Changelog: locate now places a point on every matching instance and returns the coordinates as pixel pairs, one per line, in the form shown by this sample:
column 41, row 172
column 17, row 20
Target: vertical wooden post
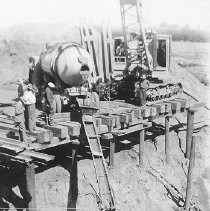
column 141, row 148
column 112, row 140
column 167, row 145
column 73, row 184
column 190, row 120
column 30, row 186
column 112, row 152
column 190, row 175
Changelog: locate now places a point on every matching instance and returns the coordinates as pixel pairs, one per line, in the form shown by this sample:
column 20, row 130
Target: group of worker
column 25, row 111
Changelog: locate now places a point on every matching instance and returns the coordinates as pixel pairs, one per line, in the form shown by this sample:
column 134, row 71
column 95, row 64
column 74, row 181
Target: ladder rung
column 100, row 154
column 92, row 136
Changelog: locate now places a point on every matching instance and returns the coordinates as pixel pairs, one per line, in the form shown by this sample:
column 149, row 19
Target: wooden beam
column 145, row 111
column 141, row 147
column 175, row 106
column 42, row 135
column 60, row 115
column 112, row 151
column 30, row 186
column 37, row 155
column 190, row 121
column 167, row 141
column 190, row 175
column 160, row 108
column 58, row 130
column 73, row 128
column 73, row 184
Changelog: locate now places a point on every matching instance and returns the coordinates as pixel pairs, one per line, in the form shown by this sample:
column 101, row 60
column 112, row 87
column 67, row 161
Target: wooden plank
column 73, row 128
column 37, row 155
column 58, row 130
column 167, row 107
column 12, row 147
column 98, row 122
column 153, row 111
column 108, row 120
column 30, row 186
column 16, row 158
column 126, row 131
column 56, row 121
column 190, row 175
column 141, row 147
column 175, row 106
column 187, row 103
column 51, row 145
column 145, row 111
column 116, row 121
column 130, row 116
column 137, row 113
column 124, row 118
column 42, row 135
column 60, row 115
column 189, row 134
column 111, row 152
column 160, row 108
column 12, row 141
column 167, row 141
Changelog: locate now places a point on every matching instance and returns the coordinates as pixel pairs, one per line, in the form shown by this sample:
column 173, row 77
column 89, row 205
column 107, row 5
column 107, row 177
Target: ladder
column 132, row 23
column 105, row 192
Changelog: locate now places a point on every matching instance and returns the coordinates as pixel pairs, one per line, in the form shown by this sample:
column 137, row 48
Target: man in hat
column 140, row 91
column 30, row 100
column 20, row 119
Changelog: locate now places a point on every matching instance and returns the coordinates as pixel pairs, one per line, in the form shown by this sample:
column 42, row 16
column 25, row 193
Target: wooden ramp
column 105, row 192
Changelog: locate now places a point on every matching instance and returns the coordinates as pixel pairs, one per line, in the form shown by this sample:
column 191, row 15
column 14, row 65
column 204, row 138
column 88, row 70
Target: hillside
column 19, row 42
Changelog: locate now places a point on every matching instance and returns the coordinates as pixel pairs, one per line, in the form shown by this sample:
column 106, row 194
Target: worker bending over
column 140, row 91
column 20, row 119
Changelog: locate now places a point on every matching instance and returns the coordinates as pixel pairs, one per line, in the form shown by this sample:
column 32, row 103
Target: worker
column 30, row 100
column 140, row 91
column 32, row 65
column 50, row 100
column 161, row 53
column 20, row 119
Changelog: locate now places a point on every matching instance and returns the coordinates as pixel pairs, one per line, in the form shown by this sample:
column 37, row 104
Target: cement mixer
column 68, row 66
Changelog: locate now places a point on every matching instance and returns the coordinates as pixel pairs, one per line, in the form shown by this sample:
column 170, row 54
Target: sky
column 195, row 13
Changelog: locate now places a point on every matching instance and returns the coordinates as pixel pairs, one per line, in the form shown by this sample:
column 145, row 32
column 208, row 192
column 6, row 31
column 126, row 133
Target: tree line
column 185, row 33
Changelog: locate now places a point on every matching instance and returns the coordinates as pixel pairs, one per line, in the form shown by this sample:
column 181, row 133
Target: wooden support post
column 30, row 186
column 141, row 147
column 73, row 184
column 190, row 175
column 167, row 144
column 112, row 152
column 190, row 120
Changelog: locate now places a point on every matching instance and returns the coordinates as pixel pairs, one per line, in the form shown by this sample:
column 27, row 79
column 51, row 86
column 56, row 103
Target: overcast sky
column 192, row 12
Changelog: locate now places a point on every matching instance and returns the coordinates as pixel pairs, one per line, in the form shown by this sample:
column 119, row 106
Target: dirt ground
column 134, row 188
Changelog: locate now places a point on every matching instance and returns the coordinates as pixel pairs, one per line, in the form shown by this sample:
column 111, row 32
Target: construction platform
column 112, row 121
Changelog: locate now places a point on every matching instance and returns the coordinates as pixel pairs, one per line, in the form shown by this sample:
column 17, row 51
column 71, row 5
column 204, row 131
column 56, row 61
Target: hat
column 30, row 87
column 52, row 85
column 143, row 76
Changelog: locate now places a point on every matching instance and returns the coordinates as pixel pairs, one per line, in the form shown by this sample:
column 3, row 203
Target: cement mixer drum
column 66, row 61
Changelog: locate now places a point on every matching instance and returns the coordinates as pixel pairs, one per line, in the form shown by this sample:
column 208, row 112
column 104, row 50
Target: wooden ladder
column 105, row 192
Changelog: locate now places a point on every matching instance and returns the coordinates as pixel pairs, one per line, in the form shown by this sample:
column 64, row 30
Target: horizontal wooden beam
column 73, row 128
column 60, row 115
column 58, row 130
